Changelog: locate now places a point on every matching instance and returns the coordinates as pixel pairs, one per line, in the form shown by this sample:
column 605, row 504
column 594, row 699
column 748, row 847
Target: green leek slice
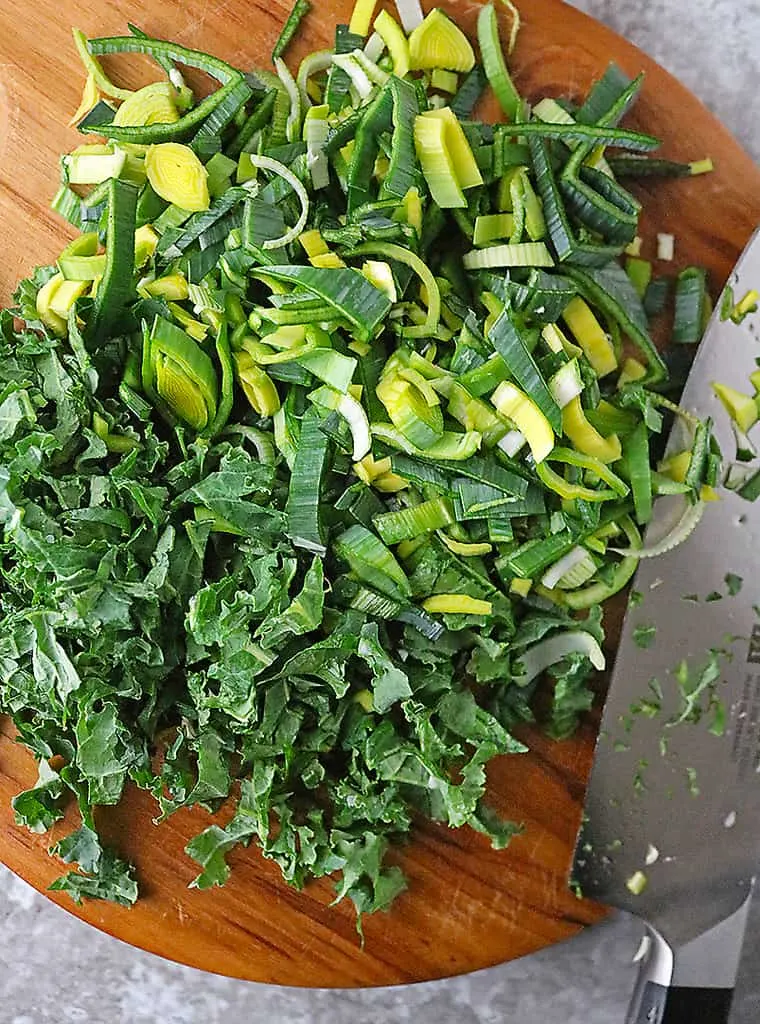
column 303, row 509
column 511, row 346
column 94, row 68
column 300, row 9
column 495, row 65
column 408, row 523
column 372, row 563
column 450, row 446
column 346, row 290
column 519, row 254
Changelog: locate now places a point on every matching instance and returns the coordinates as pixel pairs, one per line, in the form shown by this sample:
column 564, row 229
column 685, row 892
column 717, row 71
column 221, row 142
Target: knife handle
column 662, row 1005
column 656, row 1001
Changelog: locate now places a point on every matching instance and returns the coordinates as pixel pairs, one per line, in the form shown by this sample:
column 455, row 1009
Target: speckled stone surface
column 55, row 970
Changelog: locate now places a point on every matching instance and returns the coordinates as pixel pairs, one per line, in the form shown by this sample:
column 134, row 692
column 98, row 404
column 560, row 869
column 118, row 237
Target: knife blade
column 671, row 827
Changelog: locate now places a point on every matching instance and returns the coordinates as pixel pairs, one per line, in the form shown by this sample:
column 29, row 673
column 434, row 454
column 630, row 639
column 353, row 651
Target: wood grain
column 467, row 906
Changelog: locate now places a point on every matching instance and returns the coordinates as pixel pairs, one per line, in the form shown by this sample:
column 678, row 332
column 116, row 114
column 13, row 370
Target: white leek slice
column 561, row 568
column 293, row 124
column 512, row 443
column 539, row 657
column 566, row 384
column 677, row 534
column 266, row 163
column 410, row 13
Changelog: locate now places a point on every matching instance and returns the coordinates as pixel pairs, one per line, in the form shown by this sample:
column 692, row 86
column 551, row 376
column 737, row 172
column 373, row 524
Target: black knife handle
column 662, row 1005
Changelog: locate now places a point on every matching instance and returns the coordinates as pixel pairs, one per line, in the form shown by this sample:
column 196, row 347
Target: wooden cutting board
column 467, row 906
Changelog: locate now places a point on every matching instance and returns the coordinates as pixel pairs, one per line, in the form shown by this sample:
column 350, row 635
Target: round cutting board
column 467, row 906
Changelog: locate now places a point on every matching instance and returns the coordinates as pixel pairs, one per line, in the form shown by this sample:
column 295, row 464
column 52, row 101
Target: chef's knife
column 672, row 818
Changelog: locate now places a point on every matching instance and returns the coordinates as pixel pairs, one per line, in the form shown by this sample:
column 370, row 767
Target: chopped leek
column 266, row 163
column 741, row 408
column 518, row 254
column 395, row 39
column 408, row 523
column 177, row 175
column 410, row 13
column 690, row 299
column 585, row 437
column 154, row 104
column 300, row 9
column 439, row 43
column 456, row 604
column 178, row 375
column 465, row 166
column 95, row 70
column 437, row 163
column 495, row 65
column 516, row 406
column 548, row 652
column 589, row 334
column 361, row 18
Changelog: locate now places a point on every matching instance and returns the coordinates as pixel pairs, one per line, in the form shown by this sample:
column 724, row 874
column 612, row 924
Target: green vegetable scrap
column 316, row 425
column 644, row 636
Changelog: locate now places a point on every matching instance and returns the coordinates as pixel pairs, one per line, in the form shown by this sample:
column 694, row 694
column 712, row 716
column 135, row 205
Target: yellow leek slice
column 632, row 370
column 527, row 417
column 741, row 408
column 154, row 104
column 444, row 81
column 146, row 241
column 439, row 43
column 676, row 466
column 361, row 18
column 313, row 244
column 586, row 438
column 411, row 210
column 521, row 588
column 369, row 468
column 557, row 342
column 90, row 97
column 172, row 287
column 465, row 165
column 456, row 604
column 464, row 549
column 437, row 163
column 395, row 39
column 390, row 483
column 590, row 336
column 178, row 176
column 65, row 295
column 379, row 273
column 257, row 385
column 56, row 323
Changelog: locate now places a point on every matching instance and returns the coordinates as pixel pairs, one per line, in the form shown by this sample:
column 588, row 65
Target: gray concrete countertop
column 55, row 970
